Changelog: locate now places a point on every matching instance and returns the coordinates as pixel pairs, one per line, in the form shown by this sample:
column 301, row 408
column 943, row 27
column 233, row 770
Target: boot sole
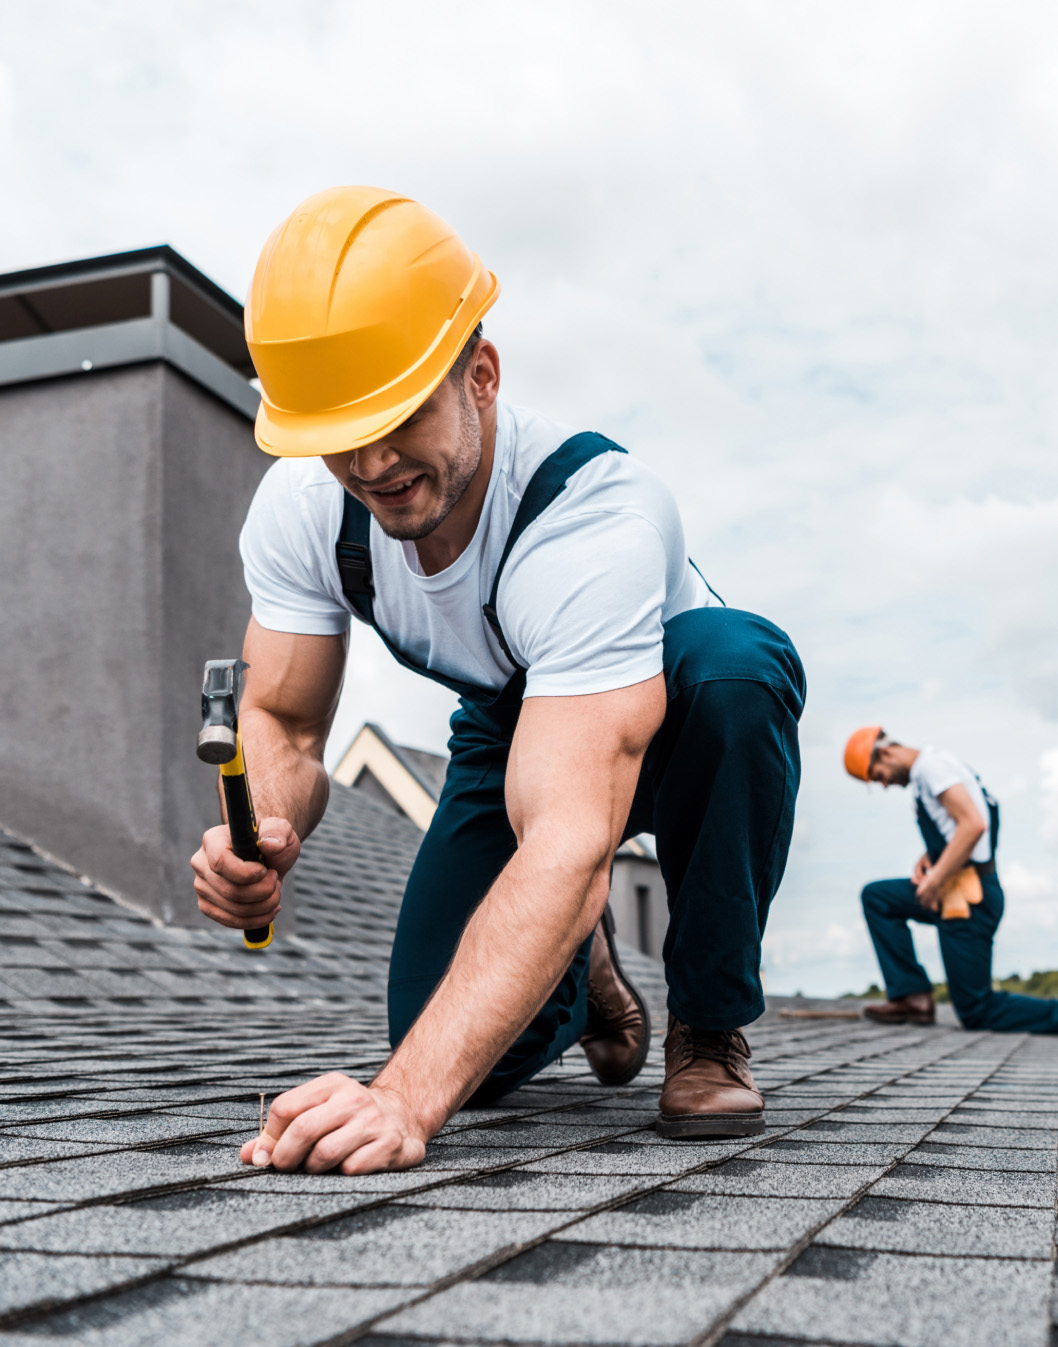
column 639, row 1061
column 904, row 1019
column 677, row 1125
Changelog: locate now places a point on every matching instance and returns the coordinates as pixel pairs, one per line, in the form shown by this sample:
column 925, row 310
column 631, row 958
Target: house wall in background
column 637, row 898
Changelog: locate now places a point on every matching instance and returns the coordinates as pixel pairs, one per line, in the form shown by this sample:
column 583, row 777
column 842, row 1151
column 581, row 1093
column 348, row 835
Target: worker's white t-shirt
column 581, row 601
column 934, row 771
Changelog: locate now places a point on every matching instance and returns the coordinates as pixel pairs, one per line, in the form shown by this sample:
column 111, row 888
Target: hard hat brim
column 338, row 430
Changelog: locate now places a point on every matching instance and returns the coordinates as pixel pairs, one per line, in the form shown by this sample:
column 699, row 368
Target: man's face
column 887, row 770
column 412, row 478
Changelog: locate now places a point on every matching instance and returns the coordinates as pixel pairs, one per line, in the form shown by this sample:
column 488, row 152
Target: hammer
column 220, row 743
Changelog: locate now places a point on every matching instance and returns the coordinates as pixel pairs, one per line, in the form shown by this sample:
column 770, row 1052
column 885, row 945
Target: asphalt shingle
column 567, row 1294
column 210, row 1314
column 856, row 1297
column 755, row 1178
column 931, row 1227
column 178, row 1223
column 394, row 1246
column 39, row 1280
column 934, row 1183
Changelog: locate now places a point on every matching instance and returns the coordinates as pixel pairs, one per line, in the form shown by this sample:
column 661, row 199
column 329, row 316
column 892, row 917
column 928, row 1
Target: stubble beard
column 458, row 473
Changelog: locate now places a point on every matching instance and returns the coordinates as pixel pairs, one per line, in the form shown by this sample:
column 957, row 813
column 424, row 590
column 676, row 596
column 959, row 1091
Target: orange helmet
column 858, row 751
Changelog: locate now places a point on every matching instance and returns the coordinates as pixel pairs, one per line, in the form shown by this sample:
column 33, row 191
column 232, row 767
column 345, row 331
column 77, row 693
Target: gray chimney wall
column 124, row 488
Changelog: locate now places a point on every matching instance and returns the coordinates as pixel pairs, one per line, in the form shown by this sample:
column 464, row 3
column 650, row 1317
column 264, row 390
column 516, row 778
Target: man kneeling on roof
column 954, row 887
column 603, row 688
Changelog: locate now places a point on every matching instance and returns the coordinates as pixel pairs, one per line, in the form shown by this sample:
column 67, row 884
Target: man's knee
column 975, row 1011
column 889, row 897
column 741, row 709
column 873, row 897
column 707, row 646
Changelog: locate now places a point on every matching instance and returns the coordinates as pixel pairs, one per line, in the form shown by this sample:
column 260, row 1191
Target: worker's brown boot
column 616, row 1039
column 709, row 1091
column 918, row 1008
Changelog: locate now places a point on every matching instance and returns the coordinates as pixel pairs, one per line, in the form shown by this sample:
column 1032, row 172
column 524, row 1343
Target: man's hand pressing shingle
column 334, row 1122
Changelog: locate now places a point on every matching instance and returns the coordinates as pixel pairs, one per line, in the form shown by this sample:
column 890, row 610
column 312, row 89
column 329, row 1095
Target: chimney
column 126, row 434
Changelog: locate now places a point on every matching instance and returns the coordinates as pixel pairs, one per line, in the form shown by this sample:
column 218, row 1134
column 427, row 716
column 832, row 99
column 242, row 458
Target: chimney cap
column 147, row 304
column 159, row 257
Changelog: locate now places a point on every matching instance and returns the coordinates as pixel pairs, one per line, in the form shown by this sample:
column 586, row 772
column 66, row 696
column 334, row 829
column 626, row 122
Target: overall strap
column 353, row 554
column 992, row 805
column 548, row 482
column 931, row 835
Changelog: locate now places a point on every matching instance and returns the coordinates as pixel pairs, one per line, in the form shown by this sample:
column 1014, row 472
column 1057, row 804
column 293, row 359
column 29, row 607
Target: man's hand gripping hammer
column 220, row 743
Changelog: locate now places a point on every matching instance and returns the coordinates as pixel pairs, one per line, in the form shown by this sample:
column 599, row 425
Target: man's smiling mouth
column 395, row 493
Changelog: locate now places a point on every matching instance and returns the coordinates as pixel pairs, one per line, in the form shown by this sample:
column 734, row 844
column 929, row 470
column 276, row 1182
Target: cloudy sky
column 801, row 257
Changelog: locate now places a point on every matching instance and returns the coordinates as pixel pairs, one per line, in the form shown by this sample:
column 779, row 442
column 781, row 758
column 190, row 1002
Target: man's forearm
column 287, row 778
column 957, row 853
column 514, row 951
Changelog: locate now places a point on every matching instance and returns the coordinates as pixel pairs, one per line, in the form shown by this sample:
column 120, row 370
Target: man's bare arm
column 290, row 696
column 571, row 776
column 969, row 828
column 292, row 690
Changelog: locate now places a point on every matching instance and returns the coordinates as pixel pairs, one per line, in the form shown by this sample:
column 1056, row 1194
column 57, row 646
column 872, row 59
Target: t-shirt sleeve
column 285, row 549
column 585, row 600
column 938, row 773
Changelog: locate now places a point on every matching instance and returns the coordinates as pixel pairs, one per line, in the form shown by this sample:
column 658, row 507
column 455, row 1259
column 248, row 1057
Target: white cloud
column 789, row 949
column 1034, row 893
column 1049, row 793
column 1028, row 936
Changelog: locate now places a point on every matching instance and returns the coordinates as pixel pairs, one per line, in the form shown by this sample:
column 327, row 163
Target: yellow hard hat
column 360, row 304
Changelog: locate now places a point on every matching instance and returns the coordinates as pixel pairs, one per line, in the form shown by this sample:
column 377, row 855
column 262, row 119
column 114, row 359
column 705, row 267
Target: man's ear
column 483, row 375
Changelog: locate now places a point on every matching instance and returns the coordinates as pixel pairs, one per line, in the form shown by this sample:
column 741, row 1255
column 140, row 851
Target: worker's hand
column 920, row 870
column 244, row 894
column 927, row 891
column 334, row 1122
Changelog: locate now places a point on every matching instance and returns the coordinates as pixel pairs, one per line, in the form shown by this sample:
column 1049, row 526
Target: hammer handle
column 242, row 827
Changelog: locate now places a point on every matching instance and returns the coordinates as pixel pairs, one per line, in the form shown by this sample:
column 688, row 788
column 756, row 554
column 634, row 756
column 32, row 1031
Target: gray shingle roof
column 903, row 1194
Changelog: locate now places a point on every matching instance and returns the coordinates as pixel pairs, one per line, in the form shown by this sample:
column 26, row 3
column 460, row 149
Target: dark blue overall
column 965, row 943
column 717, row 788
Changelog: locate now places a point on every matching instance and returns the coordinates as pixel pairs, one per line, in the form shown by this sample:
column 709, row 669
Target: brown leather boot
column 616, row 1039
column 918, row 1008
column 709, row 1091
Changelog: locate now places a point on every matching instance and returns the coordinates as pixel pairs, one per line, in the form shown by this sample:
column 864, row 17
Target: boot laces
column 604, row 1019
column 597, row 1000
column 726, row 1046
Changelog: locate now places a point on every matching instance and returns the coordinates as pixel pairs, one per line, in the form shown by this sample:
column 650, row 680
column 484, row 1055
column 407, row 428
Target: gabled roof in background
column 411, row 780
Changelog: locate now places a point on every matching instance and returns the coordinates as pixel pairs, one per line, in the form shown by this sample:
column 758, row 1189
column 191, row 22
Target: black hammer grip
column 242, row 826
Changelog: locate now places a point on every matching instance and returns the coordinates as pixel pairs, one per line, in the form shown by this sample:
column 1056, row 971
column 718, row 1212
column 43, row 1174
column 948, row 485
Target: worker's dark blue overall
column 717, row 789
column 965, row 943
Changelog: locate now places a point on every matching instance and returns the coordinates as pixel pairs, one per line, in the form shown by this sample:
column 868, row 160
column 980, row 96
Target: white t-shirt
column 934, row 771
column 581, row 601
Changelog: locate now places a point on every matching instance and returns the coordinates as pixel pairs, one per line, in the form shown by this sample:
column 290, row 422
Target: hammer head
column 221, row 690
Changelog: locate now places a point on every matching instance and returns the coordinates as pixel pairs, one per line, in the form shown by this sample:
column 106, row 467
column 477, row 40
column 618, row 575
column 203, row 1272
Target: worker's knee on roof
column 873, row 897
column 973, row 1014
